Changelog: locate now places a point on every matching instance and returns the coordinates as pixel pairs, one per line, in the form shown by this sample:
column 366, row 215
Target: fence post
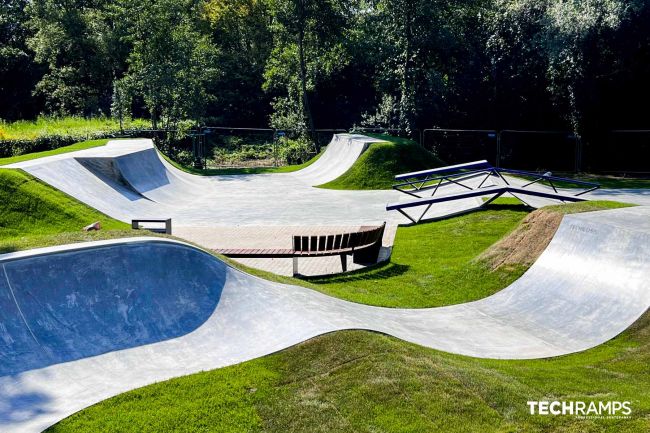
column 498, row 158
column 578, row 167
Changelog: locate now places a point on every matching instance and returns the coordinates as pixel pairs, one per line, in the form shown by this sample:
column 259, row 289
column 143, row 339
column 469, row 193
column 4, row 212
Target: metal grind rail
column 416, row 184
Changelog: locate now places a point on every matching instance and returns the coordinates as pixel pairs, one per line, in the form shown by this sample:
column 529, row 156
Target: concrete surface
column 85, row 322
column 280, row 237
column 128, row 179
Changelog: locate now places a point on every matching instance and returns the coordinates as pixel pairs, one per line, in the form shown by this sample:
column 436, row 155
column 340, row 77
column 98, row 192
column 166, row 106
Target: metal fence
column 524, row 149
column 622, row 151
column 615, row 152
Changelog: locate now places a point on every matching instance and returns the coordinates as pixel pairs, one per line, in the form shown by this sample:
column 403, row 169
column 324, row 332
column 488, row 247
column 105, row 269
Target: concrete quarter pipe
column 74, row 333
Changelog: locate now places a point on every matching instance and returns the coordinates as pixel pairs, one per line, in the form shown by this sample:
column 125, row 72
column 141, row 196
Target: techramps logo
column 582, row 409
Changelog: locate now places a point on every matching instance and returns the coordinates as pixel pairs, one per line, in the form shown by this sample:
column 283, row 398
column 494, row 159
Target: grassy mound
column 32, row 210
column 357, row 381
column 377, row 166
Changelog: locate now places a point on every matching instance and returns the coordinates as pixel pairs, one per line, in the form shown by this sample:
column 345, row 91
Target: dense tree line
column 407, row 64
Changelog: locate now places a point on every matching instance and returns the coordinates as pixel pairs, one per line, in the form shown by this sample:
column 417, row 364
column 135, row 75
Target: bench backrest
column 347, row 242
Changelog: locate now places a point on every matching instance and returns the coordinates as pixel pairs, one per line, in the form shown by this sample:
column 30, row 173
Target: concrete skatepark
column 111, row 316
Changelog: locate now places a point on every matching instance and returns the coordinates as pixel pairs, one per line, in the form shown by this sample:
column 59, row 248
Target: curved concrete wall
column 61, row 307
column 590, row 284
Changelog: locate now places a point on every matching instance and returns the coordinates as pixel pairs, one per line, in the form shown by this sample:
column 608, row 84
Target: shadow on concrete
column 72, row 305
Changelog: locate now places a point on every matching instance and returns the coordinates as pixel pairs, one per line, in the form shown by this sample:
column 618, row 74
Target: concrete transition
column 129, row 179
column 84, row 322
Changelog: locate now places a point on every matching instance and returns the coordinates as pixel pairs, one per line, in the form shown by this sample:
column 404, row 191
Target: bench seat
column 364, row 246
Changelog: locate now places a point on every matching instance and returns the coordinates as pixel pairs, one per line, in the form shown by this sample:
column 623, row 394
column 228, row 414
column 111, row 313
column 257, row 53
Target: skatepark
column 85, row 322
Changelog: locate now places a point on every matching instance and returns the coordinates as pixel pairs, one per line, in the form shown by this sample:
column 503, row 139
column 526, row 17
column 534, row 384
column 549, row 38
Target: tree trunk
column 406, row 102
column 303, row 74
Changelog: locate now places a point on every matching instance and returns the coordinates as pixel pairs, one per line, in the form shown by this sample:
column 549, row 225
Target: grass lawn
column 378, row 165
column 65, row 149
column 33, row 212
column 358, row 381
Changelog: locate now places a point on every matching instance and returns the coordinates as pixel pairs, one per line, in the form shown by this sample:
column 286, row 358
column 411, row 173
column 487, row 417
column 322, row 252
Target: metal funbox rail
column 472, row 181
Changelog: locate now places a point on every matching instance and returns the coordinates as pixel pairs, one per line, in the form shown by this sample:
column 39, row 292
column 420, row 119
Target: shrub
column 293, row 151
column 45, row 133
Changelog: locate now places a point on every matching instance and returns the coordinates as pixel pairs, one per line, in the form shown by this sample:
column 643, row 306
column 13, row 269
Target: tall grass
column 65, row 126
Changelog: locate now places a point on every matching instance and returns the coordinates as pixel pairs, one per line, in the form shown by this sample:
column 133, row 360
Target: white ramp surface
column 85, row 322
column 128, row 179
column 340, row 155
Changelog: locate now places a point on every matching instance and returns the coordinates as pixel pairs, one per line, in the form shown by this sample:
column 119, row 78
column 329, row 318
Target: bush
column 19, row 138
column 293, row 151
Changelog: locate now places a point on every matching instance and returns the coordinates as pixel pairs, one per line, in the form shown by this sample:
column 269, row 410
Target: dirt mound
column 525, row 244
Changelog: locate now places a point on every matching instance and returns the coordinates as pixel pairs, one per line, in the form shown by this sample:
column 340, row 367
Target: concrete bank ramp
column 129, row 179
column 339, row 156
column 85, row 322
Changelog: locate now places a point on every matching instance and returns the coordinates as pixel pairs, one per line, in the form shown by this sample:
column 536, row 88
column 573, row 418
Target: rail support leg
column 344, row 262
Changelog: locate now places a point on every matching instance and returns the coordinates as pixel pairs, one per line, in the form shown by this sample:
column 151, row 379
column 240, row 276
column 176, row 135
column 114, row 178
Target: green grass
column 437, row 263
column 616, row 182
column 32, row 210
column 358, row 381
column 586, row 206
column 378, row 165
column 73, row 126
column 243, row 170
column 65, row 149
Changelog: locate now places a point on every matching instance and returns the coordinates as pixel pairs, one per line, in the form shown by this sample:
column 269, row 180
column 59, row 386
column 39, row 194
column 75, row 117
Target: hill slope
column 32, row 209
column 377, row 166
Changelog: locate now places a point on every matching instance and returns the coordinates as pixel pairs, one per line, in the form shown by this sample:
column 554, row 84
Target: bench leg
column 344, row 262
column 295, row 266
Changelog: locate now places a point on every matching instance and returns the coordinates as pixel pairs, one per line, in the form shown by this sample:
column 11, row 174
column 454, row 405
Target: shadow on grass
column 8, row 248
column 378, row 272
column 494, row 206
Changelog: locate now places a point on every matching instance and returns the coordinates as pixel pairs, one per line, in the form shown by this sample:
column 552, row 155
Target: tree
column 307, row 47
column 68, row 39
column 240, row 30
column 171, row 62
column 18, row 73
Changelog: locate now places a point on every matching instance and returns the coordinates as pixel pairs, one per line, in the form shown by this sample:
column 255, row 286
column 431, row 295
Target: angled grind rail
column 417, row 183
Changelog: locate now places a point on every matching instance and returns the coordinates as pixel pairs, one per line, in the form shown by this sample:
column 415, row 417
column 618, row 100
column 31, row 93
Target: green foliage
column 307, row 49
column 23, row 137
column 18, row 72
column 73, row 42
column 171, row 62
column 554, row 38
column 381, row 162
column 65, row 149
column 240, row 30
column 293, row 151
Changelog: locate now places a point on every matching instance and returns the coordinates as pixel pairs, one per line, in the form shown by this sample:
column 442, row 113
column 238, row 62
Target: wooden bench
column 364, row 246
column 135, row 225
